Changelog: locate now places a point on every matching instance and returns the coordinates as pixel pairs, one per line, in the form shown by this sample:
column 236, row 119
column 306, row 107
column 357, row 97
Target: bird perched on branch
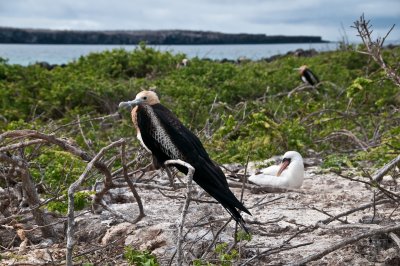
column 289, row 174
column 161, row 133
column 307, row 76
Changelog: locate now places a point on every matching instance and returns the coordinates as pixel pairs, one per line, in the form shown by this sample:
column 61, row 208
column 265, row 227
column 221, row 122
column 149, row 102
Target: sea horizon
column 26, row 54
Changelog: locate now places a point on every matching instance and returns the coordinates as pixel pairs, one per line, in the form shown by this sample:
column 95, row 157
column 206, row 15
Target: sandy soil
column 271, row 225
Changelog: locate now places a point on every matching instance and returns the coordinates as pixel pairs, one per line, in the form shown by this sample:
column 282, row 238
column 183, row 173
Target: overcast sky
column 326, row 18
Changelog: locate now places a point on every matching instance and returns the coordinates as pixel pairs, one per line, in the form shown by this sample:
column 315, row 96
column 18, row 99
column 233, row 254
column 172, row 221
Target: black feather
column 310, row 77
column 207, row 174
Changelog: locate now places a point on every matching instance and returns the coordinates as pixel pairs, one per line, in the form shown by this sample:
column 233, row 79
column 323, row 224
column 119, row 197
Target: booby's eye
column 286, row 159
column 145, row 98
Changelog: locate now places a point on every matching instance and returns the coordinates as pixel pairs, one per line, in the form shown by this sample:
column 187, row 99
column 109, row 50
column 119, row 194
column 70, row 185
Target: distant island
column 155, row 37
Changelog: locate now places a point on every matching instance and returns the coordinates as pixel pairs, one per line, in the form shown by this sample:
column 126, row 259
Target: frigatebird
column 307, row 76
column 161, row 133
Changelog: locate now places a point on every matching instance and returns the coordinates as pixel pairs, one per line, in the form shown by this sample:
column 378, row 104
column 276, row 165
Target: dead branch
column 21, row 169
column 348, row 226
column 360, row 208
column 374, row 48
column 261, row 203
column 215, row 238
column 131, row 186
column 23, row 144
column 395, row 197
column 343, row 243
column 344, row 132
column 183, row 197
column 395, row 238
column 189, row 175
column 265, row 189
column 301, row 88
column 102, row 118
column 274, row 250
column 72, row 189
column 378, row 176
column 87, row 142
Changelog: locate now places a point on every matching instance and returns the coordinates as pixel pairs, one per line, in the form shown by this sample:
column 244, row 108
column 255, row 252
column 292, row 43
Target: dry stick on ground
column 395, row 238
column 363, row 207
column 336, row 217
column 196, row 224
column 378, row 176
column 353, row 239
column 182, row 197
column 273, row 250
column 215, row 238
column 389, row 194
column 179, row 259
column 71, row 191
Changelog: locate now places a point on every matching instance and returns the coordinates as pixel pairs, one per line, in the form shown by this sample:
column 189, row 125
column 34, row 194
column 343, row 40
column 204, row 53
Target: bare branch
column 189, row 175
column 131, row 186
column 378, row 176
column 343, row 243
column 21, row 169
column 374, row 48
column 71, row 191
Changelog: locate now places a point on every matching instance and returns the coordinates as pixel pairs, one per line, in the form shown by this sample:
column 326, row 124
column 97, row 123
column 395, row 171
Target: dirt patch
column 276, row 218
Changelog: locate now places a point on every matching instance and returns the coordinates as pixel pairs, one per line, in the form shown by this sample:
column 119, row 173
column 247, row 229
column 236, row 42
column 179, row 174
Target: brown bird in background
column 307, row 76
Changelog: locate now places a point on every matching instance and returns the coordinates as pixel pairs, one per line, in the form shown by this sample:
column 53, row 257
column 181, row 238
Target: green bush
column 140, row 258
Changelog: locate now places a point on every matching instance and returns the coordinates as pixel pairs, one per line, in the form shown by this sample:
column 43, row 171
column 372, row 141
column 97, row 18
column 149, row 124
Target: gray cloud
column 290, row 17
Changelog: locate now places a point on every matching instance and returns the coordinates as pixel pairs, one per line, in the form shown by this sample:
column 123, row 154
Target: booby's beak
column 130, row 104
column 283, row 166
column 296, row 68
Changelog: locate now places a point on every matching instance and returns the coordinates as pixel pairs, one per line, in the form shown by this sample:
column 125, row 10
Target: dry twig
column 71, row 191
column 350, row 240
column 189, row 175
column 374, row 48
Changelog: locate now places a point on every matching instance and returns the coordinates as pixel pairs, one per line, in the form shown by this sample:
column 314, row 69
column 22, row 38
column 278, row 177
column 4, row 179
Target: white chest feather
column 139, row 137
column 160, row 135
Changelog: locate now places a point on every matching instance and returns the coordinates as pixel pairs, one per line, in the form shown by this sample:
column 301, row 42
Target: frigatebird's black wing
column 182, row 144
column 310, row 77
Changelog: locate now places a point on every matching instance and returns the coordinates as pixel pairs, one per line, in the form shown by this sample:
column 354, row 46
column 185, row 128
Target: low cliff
column 40, row 36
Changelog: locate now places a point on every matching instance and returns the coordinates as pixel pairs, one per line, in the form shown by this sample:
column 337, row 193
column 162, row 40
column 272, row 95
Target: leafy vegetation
column 236, row 109
column 140, row 258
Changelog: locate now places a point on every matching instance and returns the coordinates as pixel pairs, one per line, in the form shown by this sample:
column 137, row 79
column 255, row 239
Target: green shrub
column 140, row 258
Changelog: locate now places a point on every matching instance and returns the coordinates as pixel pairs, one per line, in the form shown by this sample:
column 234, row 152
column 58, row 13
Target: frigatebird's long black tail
column 211, row 178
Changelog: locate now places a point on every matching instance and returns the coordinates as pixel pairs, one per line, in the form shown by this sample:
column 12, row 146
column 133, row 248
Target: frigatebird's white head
column 301, row 69
column 143, row 97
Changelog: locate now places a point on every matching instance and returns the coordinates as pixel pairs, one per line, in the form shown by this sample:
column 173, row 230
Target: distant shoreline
column 151, row 37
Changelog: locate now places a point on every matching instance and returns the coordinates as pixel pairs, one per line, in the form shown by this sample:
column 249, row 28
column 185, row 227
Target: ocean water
column 25, row 54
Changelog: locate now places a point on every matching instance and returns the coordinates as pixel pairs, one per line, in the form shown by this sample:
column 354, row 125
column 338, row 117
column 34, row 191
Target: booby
column 289, row 174
column 307, row 76
column 161, row 133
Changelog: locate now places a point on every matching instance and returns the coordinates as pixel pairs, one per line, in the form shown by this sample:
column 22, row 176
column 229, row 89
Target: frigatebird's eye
column 144, row 98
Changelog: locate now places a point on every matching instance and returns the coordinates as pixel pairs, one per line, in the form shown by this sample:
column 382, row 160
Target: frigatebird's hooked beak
column 130, row 104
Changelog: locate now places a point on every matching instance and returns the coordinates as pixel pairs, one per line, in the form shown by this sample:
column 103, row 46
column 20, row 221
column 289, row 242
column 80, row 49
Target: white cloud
column 290, row 17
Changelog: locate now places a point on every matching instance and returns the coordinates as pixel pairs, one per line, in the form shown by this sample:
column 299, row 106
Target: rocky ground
column 276, row 226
